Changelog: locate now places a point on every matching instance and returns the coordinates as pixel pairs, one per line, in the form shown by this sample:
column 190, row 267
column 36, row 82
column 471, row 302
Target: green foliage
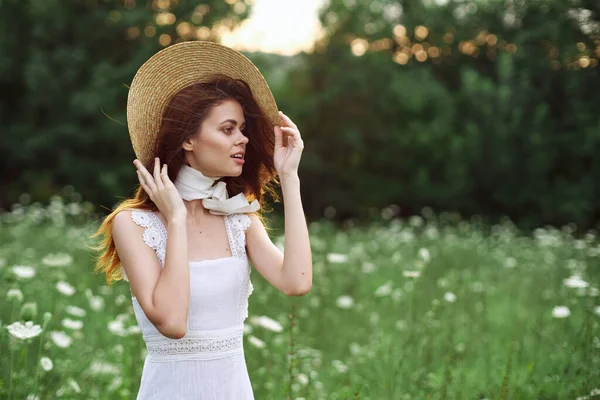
column 509, row 127
column 400, row 309
column 64, row 71
column 497, row 132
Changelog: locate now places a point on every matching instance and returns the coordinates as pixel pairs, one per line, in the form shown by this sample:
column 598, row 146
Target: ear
column 188, row 144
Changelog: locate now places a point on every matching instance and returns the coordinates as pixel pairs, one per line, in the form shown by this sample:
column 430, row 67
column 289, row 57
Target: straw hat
column 175, row 68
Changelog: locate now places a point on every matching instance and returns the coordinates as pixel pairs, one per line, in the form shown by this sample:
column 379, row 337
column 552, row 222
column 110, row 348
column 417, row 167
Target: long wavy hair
column 182, row 119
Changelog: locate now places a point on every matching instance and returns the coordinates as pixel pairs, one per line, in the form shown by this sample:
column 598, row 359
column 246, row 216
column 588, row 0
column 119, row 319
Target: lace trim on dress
column 237, row 224
column 197, row 345
column 155, row 234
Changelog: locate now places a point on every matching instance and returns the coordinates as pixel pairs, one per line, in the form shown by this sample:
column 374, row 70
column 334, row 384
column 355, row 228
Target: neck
column 196, row 210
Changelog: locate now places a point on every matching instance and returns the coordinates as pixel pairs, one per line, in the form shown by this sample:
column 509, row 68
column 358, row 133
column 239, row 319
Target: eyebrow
column 233, row 121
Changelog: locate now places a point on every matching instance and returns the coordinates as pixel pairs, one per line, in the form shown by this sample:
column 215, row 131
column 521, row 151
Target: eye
column 228, row 130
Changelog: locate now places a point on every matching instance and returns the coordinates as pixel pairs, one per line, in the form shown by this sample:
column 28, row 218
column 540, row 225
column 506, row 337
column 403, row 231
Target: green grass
column 401, row 338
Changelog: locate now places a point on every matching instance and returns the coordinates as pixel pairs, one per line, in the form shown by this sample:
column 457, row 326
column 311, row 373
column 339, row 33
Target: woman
column 204, row 126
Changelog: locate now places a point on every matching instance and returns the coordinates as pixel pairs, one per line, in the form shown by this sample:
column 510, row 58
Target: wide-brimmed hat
column 175, row 68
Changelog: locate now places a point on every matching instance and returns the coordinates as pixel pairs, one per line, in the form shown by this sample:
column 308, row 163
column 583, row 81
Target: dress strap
column 155, row 234
column 236, row 225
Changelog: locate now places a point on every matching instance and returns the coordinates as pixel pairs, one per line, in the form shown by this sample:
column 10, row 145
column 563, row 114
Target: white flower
column 115, row 384
column 247, row 329
column 561, row 312
column 104, row 368
column 23, row 271
column 117, row 327
column 368, row 267
column 510, row 262
column 72, row 324
column 75, row 311
column 24, row 331
column 345, row 302
column 134, row 330
column 57, row 260
column 597, row 310
column 355, row 348
column 339, row 366
column 32, row 397
column 46, row 363
column 96, row 302
column 256, row 342
column 450, row 297
column 74, row 385
column 61, row 339
column 416, row 221
column 401, row 325
column 269, row 324
column 412, row 274
column 575, row 281
column 384, row 290
column 424, row 254
column 65, row 288
column 15, row 294
column 337, row 258
column 302, row 379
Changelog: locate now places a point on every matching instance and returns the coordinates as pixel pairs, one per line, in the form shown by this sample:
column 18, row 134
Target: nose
column 243, row 139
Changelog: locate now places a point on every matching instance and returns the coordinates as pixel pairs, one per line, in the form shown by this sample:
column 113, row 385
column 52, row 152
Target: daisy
column 345, row 302
column 336, row 258
column 65, row 288
column 61, row 339
column 256, row 342
column 46, row 363
column 561, row 312
column 24, row 331
column 450, row 297
column 23, row 271
column 269, row 324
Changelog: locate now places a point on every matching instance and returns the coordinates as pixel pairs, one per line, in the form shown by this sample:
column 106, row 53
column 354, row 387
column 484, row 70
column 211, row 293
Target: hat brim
column 175, row 68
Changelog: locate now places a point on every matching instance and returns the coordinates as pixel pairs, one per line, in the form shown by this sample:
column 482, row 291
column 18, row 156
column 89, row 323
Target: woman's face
column 211, row 150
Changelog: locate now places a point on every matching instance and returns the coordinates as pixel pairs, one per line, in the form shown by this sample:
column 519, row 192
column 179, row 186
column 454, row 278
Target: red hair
column 182, row 119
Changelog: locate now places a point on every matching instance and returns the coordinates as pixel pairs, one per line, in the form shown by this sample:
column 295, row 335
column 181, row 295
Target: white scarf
column 193, row 185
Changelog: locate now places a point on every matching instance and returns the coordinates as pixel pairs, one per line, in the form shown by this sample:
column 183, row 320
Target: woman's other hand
column 287, row 158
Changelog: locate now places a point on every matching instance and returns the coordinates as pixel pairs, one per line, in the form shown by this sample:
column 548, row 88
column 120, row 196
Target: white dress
column 208, row 362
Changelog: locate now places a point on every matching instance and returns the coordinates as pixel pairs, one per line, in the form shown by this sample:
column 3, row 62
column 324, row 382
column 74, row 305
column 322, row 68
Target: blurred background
column 450, row 179
column 481, row 107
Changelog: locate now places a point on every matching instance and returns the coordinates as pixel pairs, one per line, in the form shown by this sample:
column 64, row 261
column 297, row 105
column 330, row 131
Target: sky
column 277, row 26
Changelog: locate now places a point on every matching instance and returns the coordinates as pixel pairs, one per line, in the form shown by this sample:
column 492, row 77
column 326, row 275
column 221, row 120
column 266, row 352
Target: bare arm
column 291, row 271
column 162, row 292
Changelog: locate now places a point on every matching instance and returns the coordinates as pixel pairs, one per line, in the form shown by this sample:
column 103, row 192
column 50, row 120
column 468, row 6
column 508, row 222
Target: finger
column 288, row 121
column 148, row 180
column 290, row 131
column 278, row 139
column 157, row 178
column 164, row 174
column 144, row 185
column 292, row 134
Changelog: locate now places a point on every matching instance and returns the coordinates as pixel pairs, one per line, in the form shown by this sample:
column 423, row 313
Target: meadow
column 427, row 307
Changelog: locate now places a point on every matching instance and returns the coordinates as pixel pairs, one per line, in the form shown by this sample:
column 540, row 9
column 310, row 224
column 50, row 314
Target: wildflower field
column 429, row 307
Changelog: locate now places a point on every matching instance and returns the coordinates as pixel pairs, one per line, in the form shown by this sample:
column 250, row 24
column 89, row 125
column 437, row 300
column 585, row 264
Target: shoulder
column 131, row 220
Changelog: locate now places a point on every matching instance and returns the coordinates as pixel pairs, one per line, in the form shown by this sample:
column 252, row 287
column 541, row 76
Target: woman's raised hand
column 287, row 158
column 161, row 190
